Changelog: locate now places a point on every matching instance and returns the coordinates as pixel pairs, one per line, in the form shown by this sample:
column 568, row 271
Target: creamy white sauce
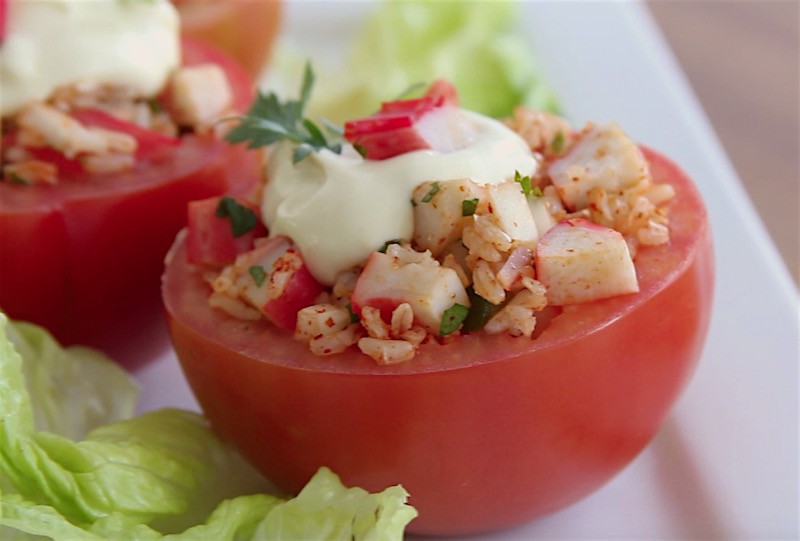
column 51, row 43
column 339, row 208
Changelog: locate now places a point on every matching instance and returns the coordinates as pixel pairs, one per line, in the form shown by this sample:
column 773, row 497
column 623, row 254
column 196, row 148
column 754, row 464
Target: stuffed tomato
column 100, row 158
column 513, row 341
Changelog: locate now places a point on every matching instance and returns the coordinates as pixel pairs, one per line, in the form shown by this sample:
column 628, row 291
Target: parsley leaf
column 557, row 144
column 258, row 274
column 480, row 312
column 524, row 182
column 242, row 218
column 271, row 120
column 468, row 206
column 452, row 318
column 433, row 191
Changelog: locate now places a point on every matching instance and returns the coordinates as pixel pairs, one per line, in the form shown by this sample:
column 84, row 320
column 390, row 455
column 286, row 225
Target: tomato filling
column 105, row 130
column 499, row 257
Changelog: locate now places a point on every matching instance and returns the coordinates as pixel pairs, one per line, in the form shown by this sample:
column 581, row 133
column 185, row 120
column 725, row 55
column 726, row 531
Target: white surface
column 725, row 464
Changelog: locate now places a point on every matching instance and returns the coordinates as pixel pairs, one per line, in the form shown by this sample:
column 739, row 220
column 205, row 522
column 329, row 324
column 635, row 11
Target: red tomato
column 485, row 431
column 83, row 258
column 244, row 29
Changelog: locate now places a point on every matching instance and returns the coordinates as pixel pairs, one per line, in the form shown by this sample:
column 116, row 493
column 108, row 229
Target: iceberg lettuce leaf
column 475, row 45
column 160, row 475
column 72, row 389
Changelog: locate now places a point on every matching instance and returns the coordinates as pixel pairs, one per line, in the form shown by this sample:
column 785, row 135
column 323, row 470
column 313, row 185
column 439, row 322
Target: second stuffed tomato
column 96, row 178
column 492, row 346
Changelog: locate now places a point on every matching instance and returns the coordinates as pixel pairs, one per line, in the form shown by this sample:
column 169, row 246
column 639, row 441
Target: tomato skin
column 84, row 258
column 484, row 432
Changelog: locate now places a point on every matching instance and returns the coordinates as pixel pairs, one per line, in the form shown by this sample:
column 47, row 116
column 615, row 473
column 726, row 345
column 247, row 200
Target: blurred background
column 742, row 57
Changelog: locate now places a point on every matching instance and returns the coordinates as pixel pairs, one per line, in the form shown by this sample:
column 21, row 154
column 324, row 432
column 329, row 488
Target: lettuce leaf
column 403, row 43
column 161, row 475
column 71, row 389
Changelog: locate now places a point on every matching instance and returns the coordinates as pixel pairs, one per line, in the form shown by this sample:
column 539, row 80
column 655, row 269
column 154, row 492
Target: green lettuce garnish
column 160, row 475
column 475, row 45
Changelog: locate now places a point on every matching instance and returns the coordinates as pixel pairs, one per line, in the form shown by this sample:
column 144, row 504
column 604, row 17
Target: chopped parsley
column 242, row 218
column 524, row 182
column 270, row 121
column 480, row 312
column 537, row 192
column 452, row 318
column 154, row 106
column 468, row 206
column 258, row 274
column 433, row 191
column 557, row 144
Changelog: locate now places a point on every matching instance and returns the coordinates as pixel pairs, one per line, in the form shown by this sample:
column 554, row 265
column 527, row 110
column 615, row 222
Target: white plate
column 725, row 464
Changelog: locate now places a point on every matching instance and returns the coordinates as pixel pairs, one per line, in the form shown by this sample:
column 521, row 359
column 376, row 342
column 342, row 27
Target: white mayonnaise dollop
column 339, row 208
column 51, row 43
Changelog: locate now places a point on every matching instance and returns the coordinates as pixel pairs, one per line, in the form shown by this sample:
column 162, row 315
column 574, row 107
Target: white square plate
column 725, row 464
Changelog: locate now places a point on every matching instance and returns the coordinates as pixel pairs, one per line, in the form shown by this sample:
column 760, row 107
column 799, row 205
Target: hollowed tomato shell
column 484, row 432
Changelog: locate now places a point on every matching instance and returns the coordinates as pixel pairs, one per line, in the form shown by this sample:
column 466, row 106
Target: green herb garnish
column 270, row 121
column 452, row 318
column 242, row 218
column 557, row 144
column 537, row 192
column 433, row 191
column 524, row 182
column 480, row 312
column 154, row 106
column 468, row 206
column 258, row 274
